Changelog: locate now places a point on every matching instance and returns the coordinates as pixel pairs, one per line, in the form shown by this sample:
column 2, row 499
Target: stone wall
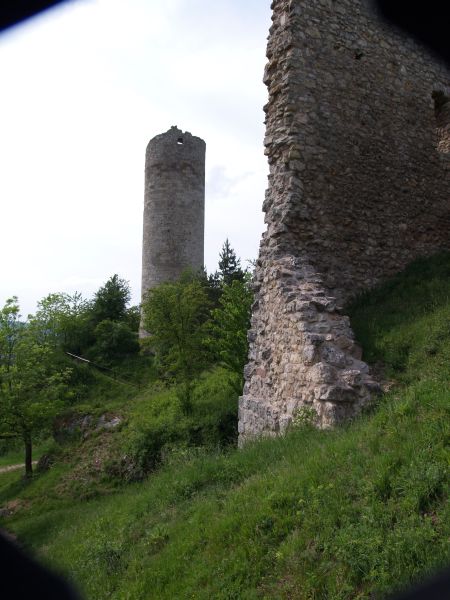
column 174, row 207
column 357, row 138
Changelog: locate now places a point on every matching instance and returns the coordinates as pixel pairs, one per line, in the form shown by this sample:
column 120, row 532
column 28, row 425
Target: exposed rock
column 68, row 426
column 83, row 425
column 45, row 462
column 108, row 422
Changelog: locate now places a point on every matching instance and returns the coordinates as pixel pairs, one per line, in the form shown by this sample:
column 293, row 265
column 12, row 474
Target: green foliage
column 65, row 322
column 213, row 286
column 404, row 325
column 353, row 513
column 113, row 340
column 229, row 265
column 175, row 314
column 114, row 326
column 305, row 417
column 229, row 326
column 103, row 329
column 133, row 318
column 110, row 302
column 32, row 384
column 160, row 430
column 14, row 454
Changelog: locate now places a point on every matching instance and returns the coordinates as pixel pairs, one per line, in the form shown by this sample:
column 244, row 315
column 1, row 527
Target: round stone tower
column 174, row 207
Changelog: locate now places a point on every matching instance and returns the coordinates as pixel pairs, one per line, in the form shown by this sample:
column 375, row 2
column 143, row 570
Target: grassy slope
column 16, row 456
column 315, row 515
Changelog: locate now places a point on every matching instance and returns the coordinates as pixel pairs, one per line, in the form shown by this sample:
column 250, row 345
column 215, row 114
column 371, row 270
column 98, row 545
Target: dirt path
column 14, row 467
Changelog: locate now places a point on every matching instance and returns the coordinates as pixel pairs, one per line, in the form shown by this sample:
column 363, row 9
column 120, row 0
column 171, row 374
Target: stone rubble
column 302, row 353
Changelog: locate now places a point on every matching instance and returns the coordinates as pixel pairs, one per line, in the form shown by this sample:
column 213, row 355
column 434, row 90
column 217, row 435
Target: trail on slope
column 15, row 467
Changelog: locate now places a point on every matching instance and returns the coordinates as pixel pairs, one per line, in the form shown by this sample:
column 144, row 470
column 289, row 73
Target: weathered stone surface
column 45, row 463
column 70, row 426
column 174, row 207
column 303, row 353
column 357, row 139
column 108, row 421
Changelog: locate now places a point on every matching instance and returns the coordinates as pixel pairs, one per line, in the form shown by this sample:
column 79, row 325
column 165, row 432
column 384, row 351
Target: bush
column 113, row 340
column 162, row 427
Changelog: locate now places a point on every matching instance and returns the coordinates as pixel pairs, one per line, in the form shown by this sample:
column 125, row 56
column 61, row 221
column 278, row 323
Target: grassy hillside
column 350, row 513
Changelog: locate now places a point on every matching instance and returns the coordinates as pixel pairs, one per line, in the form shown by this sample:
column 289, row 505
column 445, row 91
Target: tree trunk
column 28, row 456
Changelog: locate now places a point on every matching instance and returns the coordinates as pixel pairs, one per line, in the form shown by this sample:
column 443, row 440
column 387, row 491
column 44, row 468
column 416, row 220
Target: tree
column 110, row 302
column 64, row 321
column 229, row 326
column 175, row 315
column 113, row 340
column 32, row 383
column 229, row 265
column 212, row 284
column 103, row 328
column 114, row 326
column 133, row 318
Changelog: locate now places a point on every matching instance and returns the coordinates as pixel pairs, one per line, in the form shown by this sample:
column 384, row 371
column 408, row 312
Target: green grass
column 405, row 324
column 352, row 513
column 16, row 455
column 100, row 389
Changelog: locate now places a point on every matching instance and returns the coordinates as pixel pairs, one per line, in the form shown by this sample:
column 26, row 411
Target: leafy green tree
column 110, row 302
column 229, row 265
column 212, row 284
column 65, row 322
column 175, row 315
column 32, row 382
column 229, row 326
column 114, row 325
column 103, row 329
column 113, row 340
column 133, row 318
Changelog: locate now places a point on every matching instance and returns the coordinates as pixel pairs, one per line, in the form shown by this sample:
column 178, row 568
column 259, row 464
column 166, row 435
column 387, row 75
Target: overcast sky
column 83, row 89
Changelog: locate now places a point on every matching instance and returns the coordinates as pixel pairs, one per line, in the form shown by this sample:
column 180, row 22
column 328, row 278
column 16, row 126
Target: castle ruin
column 358, row 143
column 174, row 207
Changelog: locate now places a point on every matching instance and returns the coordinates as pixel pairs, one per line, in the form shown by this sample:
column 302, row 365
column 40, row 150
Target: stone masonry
column 174, row 207
column 357, row 138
